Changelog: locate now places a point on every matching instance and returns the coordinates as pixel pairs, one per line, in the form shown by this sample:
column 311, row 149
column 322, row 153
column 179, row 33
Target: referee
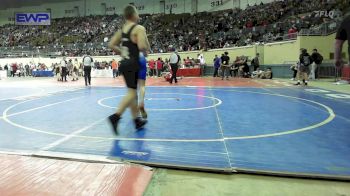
column 174, row 61
column 87, row 61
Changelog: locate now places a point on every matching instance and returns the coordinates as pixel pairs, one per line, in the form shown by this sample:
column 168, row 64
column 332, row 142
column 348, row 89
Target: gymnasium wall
column 280, row 52
column 279, row 55
column 76, row 8
column 324, row 45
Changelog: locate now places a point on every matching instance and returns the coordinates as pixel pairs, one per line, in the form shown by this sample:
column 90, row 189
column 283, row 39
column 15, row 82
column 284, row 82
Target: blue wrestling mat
column 284, row 131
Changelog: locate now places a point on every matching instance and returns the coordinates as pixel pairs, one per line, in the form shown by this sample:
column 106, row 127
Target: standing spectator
column 159, row 67
column 75, row 70
column 27, row 69
column 9, row 70
column 201, row 63
column 87, row 62
column 152, row 67
column 225, row 65
column 115, row 68
column 305, row 61
column 255, row 62
column 294, row 68
column 64, row 70
column 317, row 58
column 21, row 70
column 32, row 67
column 14, row 69
column 174, row 61
column 292, row 32
column 235, row 67
column 58, row 70
column 217, row 62
column 70, row 67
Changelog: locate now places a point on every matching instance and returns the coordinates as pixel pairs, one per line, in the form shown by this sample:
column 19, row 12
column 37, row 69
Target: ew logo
column 33, row 18
column 328, row 14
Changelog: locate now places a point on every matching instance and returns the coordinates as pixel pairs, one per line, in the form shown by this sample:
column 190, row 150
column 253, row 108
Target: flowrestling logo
column 327, row 14
column 41, row 18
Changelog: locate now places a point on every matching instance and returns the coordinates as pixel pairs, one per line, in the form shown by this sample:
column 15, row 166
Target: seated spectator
column 184, row 32
column 188, row 62
column 244, row 68
column 263, row 74
column 268, row 74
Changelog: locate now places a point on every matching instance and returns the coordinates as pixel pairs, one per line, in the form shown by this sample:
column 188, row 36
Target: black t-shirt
column 344, row 32
column 225, row 60
column 305, row 59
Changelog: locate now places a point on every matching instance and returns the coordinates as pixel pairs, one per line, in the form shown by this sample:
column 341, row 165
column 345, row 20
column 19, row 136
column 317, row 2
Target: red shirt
column 249, row 24
column 159, row 65
column 151, row 64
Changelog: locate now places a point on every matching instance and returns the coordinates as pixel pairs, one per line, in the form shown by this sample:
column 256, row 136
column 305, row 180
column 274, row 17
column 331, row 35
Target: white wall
column 93, row 7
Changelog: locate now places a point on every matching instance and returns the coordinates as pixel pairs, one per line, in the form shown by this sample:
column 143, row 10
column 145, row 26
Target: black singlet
column 130, row 53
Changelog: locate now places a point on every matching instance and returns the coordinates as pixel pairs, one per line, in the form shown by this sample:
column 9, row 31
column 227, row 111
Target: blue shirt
column 217, row 62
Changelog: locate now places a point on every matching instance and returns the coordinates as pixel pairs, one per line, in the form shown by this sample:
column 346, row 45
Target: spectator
column 201, row 63
column 294, row 68
column 188, row 62
column 159, row 67
column 14, row 69
column 70, row 67
column 244, row 68
column 225, row 68
column 152, row 67
column 255, row 62
column 27, row 68
column 305, row 61
column 267, row 74
column 217, row 62
column 58, row 71
column 317, row 58
column 235, row 67
column 10, row 70
column 115, row 68
column 75, row 71
column 232, row 27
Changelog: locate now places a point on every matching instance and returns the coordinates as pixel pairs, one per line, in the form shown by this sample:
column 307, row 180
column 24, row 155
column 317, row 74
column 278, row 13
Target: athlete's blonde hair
column 129, row 12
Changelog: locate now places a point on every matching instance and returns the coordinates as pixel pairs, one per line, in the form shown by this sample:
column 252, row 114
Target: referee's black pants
column 87, row 75
column 174, row 69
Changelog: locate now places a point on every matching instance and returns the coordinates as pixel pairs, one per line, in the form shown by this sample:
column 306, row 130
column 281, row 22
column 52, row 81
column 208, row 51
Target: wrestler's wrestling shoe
column 140, row 123
column 114, row 120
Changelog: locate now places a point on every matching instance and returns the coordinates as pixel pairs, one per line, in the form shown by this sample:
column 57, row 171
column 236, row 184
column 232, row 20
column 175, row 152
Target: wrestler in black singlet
column 129, row 66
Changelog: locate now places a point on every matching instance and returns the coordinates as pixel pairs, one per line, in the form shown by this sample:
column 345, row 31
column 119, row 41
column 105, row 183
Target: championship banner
column 40, row 18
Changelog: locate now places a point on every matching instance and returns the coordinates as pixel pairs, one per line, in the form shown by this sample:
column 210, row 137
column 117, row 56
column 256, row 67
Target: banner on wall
column 139, row 4
column 40, row 18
